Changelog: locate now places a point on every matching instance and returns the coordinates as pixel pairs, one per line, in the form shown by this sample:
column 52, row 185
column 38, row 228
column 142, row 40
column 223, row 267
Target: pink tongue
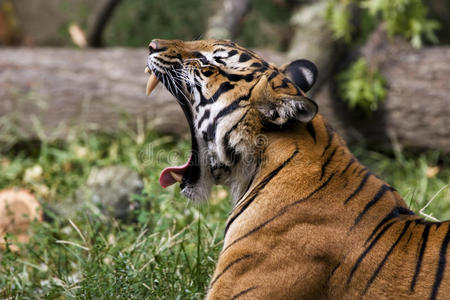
column 166, row 179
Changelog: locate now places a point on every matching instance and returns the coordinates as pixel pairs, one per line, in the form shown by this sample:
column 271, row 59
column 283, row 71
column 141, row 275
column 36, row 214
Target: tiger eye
column 207, row 72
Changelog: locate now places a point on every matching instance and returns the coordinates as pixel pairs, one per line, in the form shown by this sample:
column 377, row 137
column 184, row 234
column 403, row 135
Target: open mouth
column 190, row 171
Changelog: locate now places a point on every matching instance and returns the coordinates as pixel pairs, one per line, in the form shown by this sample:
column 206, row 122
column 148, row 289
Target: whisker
column 177, row 87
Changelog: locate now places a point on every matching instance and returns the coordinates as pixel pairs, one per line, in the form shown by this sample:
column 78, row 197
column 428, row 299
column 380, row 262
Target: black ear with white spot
column 302, row 72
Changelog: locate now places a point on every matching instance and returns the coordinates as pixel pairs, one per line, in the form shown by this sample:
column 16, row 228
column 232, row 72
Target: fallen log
column 94, row 88
column 416, row 111
column 101, row 89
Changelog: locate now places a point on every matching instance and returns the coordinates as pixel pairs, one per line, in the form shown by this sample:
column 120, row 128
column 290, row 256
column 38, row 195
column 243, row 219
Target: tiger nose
column 154, row 46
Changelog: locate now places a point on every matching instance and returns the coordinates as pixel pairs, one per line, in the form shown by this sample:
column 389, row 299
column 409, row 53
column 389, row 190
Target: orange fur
column 299, row 246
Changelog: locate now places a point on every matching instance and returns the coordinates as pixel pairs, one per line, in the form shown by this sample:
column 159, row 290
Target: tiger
column 308, row 220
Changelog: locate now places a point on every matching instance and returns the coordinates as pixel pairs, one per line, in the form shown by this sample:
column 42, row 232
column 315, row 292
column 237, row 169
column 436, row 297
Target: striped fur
column 308, row 220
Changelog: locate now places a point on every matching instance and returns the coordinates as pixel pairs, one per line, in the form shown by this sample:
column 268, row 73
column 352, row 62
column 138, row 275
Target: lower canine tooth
column 147, row 70
column 176, row 176
column 151, row 84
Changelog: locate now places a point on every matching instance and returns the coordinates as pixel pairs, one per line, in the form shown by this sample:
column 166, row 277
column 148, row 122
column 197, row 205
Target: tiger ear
column 278, row 108
column 302, row 72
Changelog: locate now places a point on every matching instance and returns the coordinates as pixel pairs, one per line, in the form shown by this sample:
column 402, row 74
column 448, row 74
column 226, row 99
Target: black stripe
column 354, row 171
column 411, row 234
column 227, row 110
column 256, row 65
column 244, row 57
column 383, row 189
column 327, row 162
column 352, row 160
column 207, row 72
column 395, row 212
column 230, row 152
column 281, row 212
column 223, row 88
column 310, row 128
column 284, row 84
column 359, row 188
column 210, row 133
column 361, row 171
column 243, row 292
column 219, row 59
column 441, row 265
column 232, row 53
column 156, row 50
column 250, row 182
column 203, row 118
column 226, row 44
column 211, row 130
column 258, row 188
column 382, row 263
column 177, row 56
column 228, row 267
column 220, row 49
column 363, row 255
column 272, row 75
column 333, row 271
column 161, row 62
column 238, row 77
column 330, row 138
column 423, row 246
column 198, row 54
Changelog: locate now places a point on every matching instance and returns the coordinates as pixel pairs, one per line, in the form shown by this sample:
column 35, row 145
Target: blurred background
column 80, row 139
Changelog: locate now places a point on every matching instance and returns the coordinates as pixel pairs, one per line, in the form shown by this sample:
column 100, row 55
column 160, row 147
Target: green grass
column 171, row 251
column 168, row 253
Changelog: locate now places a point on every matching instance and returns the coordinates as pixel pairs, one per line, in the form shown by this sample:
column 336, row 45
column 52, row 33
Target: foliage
column 136, row 22
column 362, row 86
column 404, row 17
column 266, row 26
column 338, row 15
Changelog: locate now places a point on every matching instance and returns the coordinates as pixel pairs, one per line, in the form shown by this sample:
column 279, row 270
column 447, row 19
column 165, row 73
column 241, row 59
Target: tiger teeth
column 151, row 83
column 147, row 70
column 176, row 176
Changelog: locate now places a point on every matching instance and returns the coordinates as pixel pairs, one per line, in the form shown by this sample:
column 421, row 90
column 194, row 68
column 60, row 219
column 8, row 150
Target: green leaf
column 362, row 87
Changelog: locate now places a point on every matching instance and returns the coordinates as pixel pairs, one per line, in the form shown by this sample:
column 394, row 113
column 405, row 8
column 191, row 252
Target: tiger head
column 230, row 96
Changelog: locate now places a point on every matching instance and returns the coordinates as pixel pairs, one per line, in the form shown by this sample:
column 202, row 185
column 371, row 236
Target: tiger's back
column 308, row 220
column 326, row 217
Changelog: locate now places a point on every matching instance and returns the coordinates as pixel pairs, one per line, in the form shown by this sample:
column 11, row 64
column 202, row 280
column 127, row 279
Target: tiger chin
column 308, row 220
